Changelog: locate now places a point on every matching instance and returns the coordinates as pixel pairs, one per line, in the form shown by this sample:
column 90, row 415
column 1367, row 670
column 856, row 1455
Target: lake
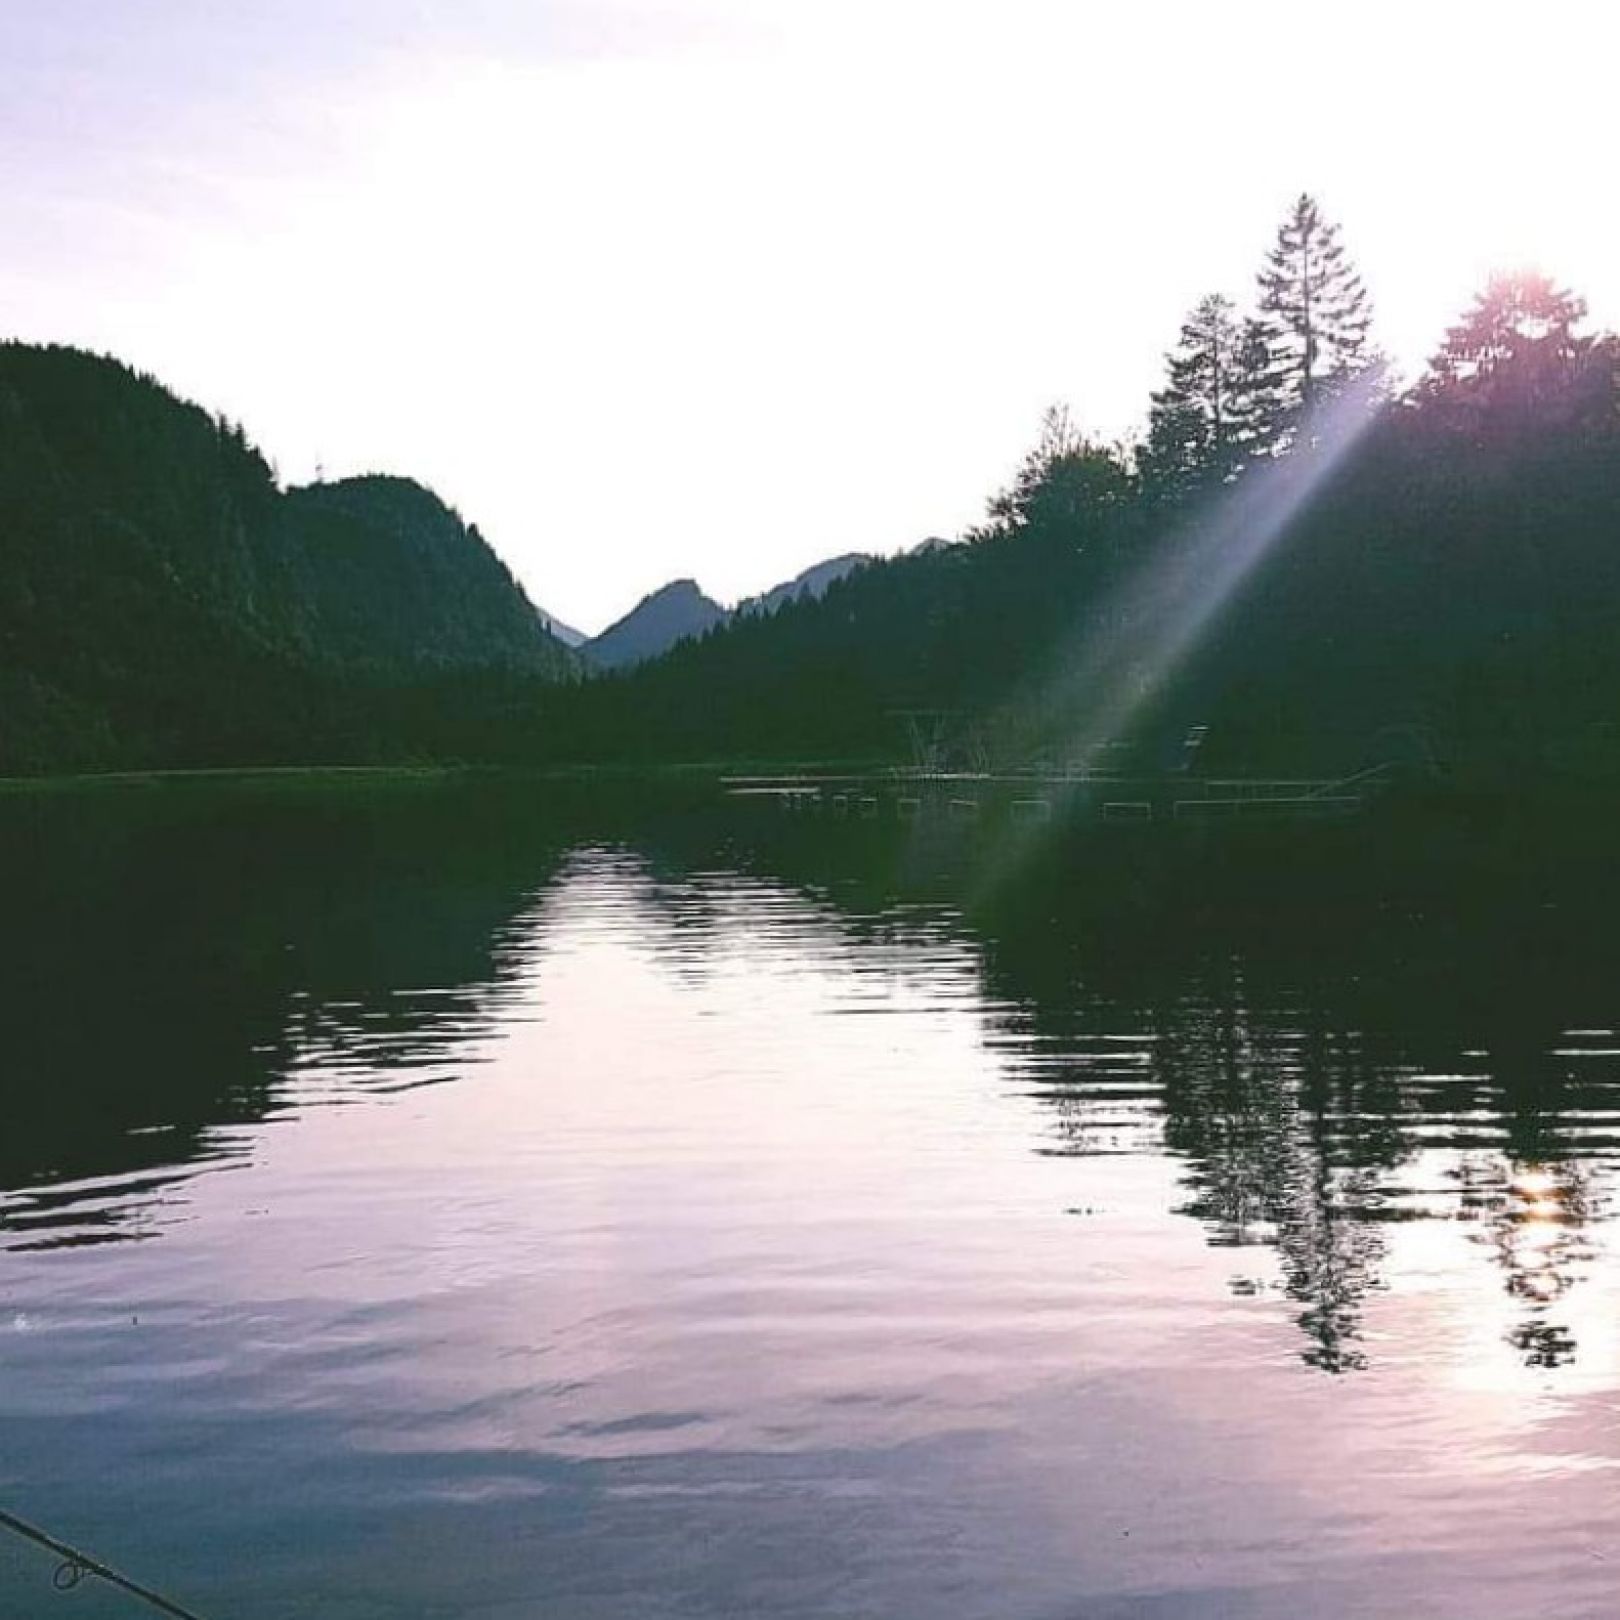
column 527, row 1199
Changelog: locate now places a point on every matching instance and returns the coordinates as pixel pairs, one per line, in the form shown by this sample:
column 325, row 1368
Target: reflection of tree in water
column 1536, row 1219
column 1286, row 1141
column 1292, row 1120
column 1296, row 1062
column 1536, row 1199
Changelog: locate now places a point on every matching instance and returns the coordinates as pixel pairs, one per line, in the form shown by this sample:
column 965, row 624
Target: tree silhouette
column 1515, row 359
column 163, row 601
column 1064, row 478
column 1315, row 317
column 1197, row 425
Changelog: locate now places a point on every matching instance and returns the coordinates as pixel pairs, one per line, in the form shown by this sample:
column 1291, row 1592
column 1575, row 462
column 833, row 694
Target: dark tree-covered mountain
column 162, row 601
column 378, row 572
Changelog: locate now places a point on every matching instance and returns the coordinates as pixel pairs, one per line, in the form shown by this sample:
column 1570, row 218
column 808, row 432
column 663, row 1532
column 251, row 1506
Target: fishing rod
column 75, row 1565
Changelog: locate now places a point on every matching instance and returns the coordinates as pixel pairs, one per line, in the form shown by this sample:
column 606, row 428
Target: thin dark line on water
column 76, row 1565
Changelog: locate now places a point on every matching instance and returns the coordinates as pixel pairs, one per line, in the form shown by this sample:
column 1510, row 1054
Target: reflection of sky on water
column 780, row 1253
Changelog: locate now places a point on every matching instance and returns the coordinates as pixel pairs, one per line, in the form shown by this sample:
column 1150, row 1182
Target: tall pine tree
column 1256, row 405
column 1194, row 424
column 1214, row 412
column 1315, row 316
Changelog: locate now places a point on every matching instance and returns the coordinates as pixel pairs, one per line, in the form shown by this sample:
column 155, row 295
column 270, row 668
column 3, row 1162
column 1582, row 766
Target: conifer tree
column 1256, row 403
column 1194, row 424
column 1315, row 316
column 1516, row 358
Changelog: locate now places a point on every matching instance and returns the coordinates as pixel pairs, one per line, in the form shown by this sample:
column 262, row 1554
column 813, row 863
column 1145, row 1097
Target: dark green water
column 446, row 1201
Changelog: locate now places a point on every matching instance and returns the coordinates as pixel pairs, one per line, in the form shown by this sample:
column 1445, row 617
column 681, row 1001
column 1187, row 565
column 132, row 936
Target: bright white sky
column 721, row 287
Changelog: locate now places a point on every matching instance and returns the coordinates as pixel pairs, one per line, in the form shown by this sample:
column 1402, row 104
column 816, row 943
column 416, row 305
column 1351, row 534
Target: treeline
column 1319, row 567
column 1301, row 562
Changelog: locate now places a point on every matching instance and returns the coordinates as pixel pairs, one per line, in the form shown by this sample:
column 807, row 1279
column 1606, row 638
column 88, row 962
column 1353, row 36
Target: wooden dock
column 1036, row 797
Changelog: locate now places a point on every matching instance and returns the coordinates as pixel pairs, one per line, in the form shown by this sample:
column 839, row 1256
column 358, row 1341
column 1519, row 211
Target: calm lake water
column 523, row 1202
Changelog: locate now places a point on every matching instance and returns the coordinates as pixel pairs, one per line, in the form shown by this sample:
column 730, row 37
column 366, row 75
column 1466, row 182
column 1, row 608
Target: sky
column 718, row 288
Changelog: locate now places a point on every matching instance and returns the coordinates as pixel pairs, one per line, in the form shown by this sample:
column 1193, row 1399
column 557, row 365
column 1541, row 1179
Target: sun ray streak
column 1133, row 646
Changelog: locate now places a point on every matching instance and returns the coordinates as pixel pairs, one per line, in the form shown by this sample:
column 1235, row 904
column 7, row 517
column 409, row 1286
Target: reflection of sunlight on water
column 1538, row 1320
column 1534, row 1188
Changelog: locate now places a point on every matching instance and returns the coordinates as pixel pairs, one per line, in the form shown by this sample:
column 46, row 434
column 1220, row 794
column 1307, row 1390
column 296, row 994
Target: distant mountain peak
column 680, row 611
column 813, row 581
column 674, row 612
column 678, row 588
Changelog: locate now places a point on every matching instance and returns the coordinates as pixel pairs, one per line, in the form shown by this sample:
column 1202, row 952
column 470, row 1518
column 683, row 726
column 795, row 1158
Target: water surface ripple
column 423, row 1214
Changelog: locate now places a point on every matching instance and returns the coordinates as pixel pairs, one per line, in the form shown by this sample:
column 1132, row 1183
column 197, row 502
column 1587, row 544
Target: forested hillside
column 380, row 573
column 1320, row 568
column 163, row 602
column 1309, row 565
